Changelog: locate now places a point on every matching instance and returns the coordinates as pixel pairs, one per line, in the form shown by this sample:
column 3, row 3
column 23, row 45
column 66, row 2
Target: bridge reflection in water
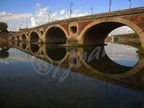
column 53, row 76
column 90, row 61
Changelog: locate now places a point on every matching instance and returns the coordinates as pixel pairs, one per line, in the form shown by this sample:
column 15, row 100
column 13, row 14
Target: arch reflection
column 24, row 46
column 98, row 59
column 91, row 58
column 34, row 48
column 54, row 52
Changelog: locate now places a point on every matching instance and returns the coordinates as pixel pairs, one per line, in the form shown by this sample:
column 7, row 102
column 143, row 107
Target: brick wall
column 3, row 37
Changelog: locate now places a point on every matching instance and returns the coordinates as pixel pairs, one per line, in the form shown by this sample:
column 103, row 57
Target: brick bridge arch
column 24, row 37
column 34, row 36
column 97, row 31
column 55, row 33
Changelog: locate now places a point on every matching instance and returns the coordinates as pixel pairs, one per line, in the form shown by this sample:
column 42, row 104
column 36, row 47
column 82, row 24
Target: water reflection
column 122, row 54
column 34, row 48
column 50, row 76
column 49, row 58
column 54, row 52
column 99, row 60
column 24, row 46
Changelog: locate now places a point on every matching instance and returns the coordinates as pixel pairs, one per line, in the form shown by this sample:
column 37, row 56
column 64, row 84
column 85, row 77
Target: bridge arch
column 97, row 31
column 55, row 34
column 14, row 37
column 34, row 36
column 24, row 37
column 18, row 38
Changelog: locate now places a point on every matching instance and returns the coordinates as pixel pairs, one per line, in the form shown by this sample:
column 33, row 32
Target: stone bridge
column 86, row 30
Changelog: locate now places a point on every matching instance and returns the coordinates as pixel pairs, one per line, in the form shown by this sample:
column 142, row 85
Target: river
column 53, row 76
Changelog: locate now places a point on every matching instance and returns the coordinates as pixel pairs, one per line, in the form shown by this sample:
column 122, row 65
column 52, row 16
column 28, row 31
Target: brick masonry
column 3, row 37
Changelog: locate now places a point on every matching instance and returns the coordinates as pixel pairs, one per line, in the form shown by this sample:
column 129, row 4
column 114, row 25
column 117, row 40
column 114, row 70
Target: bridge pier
column 142, row 39
column 72, row 41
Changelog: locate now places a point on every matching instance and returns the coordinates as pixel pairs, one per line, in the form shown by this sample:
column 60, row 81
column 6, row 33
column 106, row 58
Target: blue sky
column 29, row 13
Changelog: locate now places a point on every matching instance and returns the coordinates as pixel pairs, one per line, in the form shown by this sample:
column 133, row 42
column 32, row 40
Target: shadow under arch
column 56, row 34
column 24, row 37
column 17, row 37
column 34, row 36
column 100, row 64
column 97, row 31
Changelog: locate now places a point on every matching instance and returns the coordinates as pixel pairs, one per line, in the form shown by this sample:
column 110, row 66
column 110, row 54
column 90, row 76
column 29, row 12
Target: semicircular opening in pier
column 73, row 29
column 55, row 35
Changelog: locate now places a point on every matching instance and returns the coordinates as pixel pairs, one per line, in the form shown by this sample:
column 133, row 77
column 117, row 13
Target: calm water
column 49, row 76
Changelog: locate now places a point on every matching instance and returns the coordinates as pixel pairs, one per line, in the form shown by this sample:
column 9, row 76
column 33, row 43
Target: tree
column 3, row 27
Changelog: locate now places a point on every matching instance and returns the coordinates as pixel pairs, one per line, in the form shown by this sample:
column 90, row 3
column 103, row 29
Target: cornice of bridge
column 91, row 17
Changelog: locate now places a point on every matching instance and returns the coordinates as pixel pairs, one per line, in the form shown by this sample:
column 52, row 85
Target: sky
column 29, row 13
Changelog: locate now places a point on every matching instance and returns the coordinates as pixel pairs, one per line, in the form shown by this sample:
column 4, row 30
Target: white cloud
column 80, row 14
column 15, row 20
column 2, row 13
column 41, row 11
column 33, row 21
column 62, row 12
column 122, row 30
column 54, row 14
column 7, row 17
column 38, row 5
column 121, row 52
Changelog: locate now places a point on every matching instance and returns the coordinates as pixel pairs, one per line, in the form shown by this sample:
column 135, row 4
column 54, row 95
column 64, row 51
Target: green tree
column 3, row 27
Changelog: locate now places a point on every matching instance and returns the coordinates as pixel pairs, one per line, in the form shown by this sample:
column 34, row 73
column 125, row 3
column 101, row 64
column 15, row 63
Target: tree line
column 130, row 35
